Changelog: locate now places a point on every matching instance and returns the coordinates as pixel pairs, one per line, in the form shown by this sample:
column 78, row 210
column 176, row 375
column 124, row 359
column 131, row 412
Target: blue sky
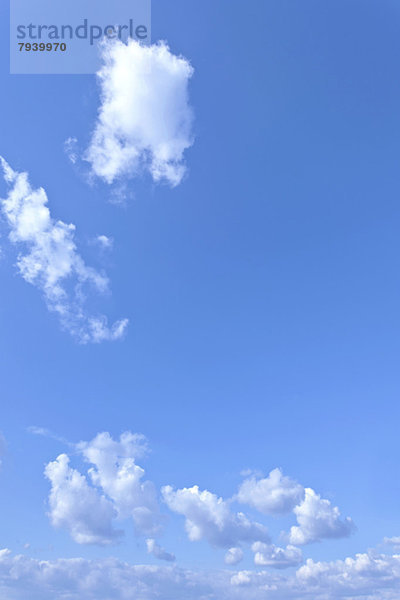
column 262, row 292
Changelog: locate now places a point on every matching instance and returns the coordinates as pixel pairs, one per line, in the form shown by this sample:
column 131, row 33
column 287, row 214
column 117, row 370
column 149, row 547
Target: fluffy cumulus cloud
column 48, row 258
column 269, row 555
column 115, row 471
column 144, row 120
column 272, row 495
column 113, row 489
column 209, row 517
column 77, row 507
column 318, row 519
column 370, row 576
column 278, row 495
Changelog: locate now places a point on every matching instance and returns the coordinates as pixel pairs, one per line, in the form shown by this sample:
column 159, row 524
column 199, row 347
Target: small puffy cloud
column 77, row 507
column 104, row 241
column 159, row 552
column 209, row 517
column 116, row 472
column 268, row 555
column 49, row 260
column 272, row 495
column 234, row 556
column 144, row 121
column 318, row 519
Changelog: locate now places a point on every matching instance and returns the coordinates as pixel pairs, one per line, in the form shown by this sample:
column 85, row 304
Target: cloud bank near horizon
column 372, row 576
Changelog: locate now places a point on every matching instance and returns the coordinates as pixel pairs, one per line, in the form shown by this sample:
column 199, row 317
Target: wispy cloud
column 48, row 259
column 46, row 433
column 144, row 121
column 71, row 149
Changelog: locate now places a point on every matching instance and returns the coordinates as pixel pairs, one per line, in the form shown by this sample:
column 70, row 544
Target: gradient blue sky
column 263, row 292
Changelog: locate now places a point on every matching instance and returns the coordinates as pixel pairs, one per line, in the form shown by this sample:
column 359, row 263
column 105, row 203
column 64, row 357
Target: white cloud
column 120, row 491
column 71, row 149
column 370, row 576
column 268, row 555
column 114, row 489
column 318, row 519
column 272, row 495
column 104, row 241
column 392, row 541
column 234, row 556
column 159, row 552
column 144, row 121
column 116, row 472
column 209, row 517
column 98, row 330
column 44, row 432
column 278, row 495
column 77, row 507
column 51, row 261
